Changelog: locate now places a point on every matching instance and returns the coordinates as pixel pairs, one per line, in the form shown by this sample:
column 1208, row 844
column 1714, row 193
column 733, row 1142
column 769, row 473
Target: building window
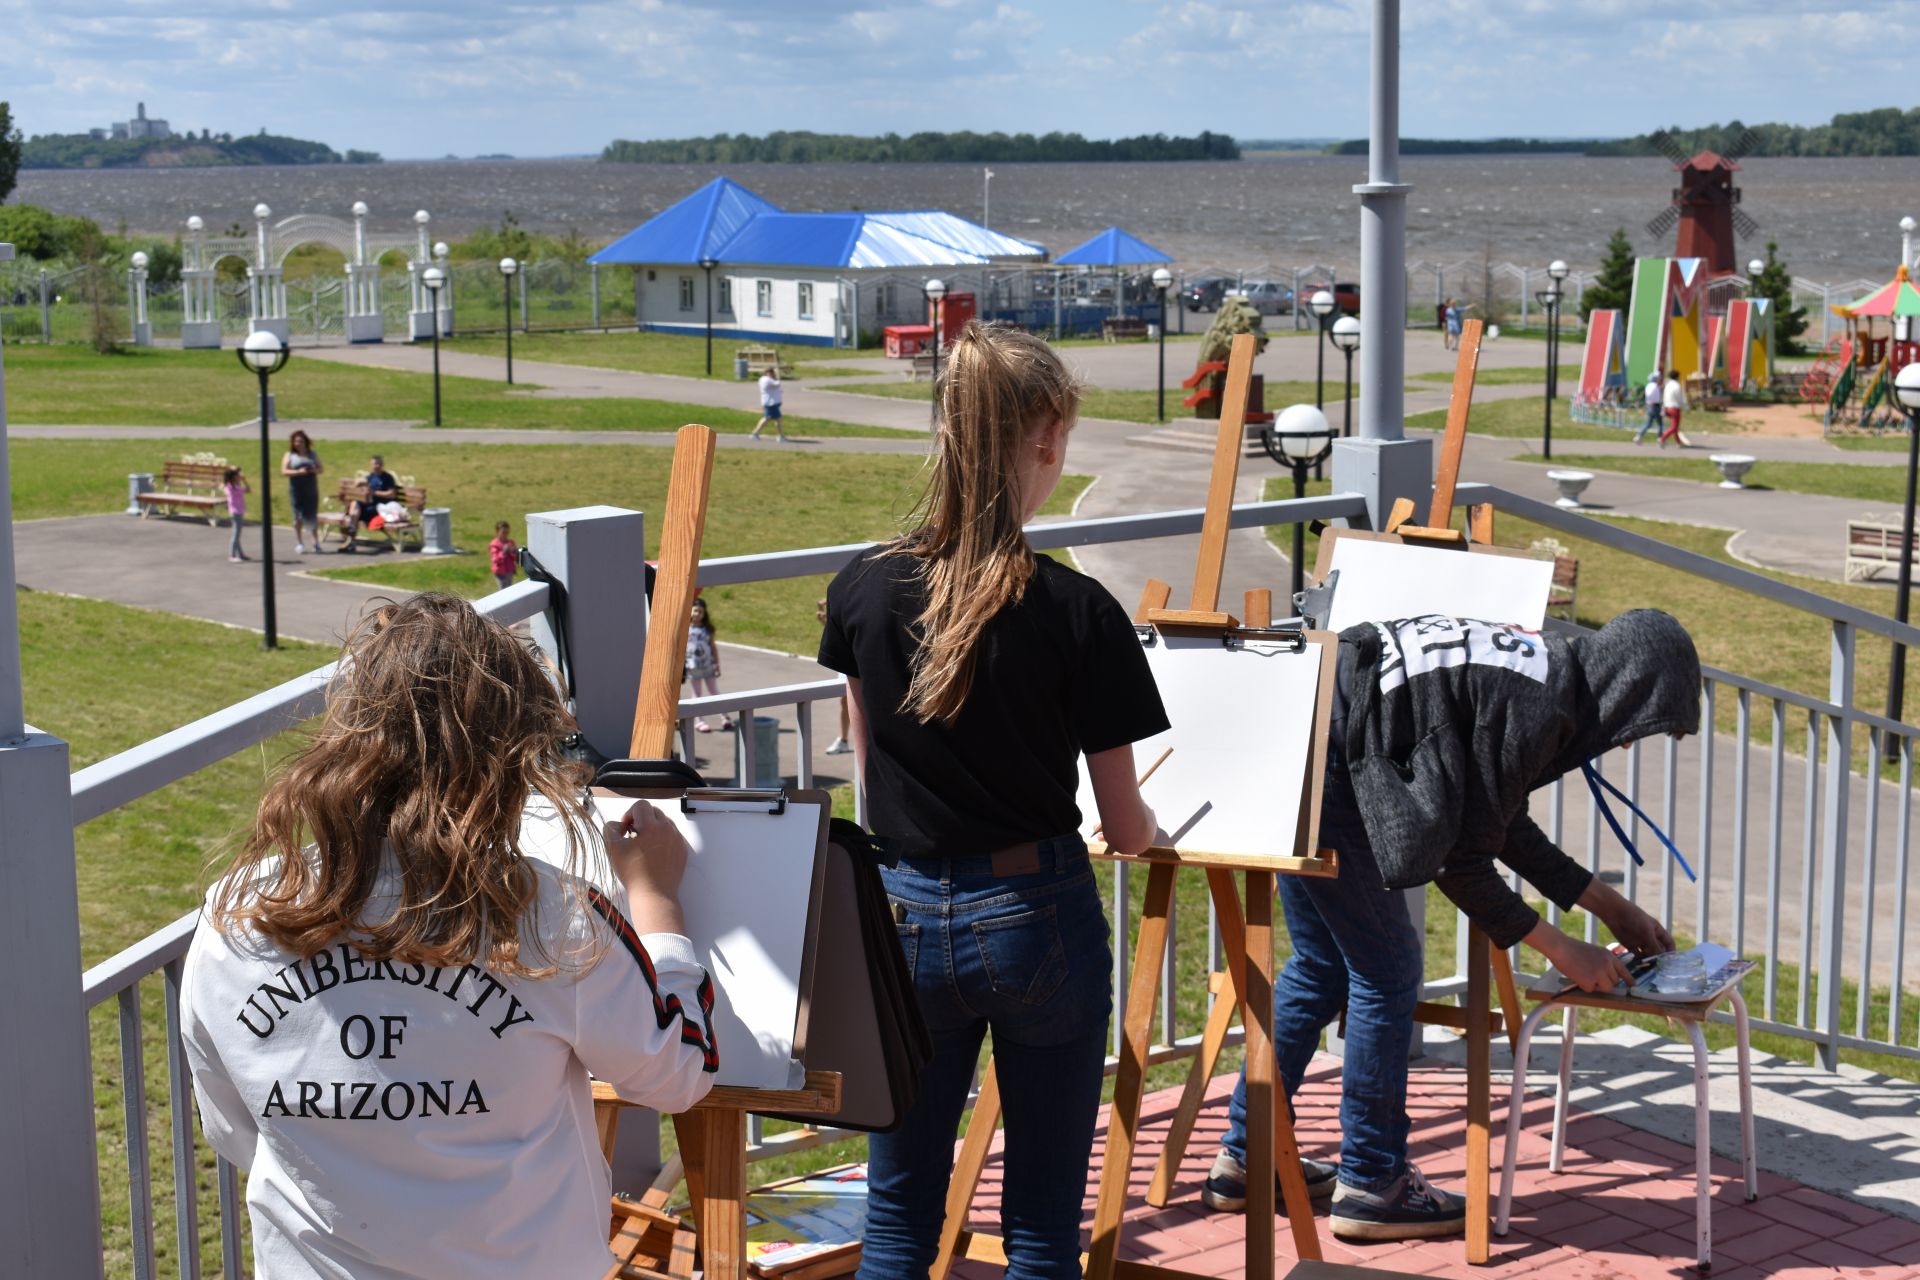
column 726, row 295
column 763, row 297
column 686, row 293
column 806, row 301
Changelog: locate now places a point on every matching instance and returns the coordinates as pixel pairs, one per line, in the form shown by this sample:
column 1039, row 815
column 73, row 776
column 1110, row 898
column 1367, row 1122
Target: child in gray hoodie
column 1442, row 728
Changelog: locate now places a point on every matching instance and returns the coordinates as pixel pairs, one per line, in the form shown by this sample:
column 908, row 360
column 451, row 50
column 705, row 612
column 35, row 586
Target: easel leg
column 1479, row 1087
column 716, row 1162
column 1226, row 910
column 1123, row 1120
column 966, row 1171
column 1509, row 996
column 1267, row 1111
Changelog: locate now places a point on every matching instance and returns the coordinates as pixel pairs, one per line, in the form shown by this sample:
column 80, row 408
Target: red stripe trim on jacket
column 666, row 1007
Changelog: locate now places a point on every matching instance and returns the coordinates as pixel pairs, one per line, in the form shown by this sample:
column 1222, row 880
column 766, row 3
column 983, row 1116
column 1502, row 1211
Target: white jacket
column 406, row 1123
column 1674, row 395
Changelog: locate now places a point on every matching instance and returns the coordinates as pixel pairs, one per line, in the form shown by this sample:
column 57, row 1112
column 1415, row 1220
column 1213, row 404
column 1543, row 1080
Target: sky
column 425, row 78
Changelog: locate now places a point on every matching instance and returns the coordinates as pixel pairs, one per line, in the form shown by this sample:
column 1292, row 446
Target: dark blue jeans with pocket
column 1354, row 947
column 1026, row 956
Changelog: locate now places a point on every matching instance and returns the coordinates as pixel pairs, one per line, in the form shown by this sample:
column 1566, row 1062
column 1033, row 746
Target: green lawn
column 1870, row 444
column 1123, row 406
column 1516, row 418
column 150, row 386
column 1569, row 376
column 1831, row 479
column 648, row 352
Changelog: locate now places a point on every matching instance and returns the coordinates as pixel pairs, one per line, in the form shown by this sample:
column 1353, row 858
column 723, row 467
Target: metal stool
column 1689, row 1015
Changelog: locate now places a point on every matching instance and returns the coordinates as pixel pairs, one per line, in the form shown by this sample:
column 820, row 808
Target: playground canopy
column 1896, row 298
column 1113, row 247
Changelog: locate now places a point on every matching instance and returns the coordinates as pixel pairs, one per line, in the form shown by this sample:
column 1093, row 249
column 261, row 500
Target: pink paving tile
column 1856, row 1213
column 1775, row 1240
column 1547, row 1222
column 1883, row 1237
column 1656, row 1215
column 1851, row 1261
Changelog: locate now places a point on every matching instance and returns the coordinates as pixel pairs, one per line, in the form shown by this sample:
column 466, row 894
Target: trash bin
column 436, row 532
column 740, row 368
column 766, row 753
column 138, row 482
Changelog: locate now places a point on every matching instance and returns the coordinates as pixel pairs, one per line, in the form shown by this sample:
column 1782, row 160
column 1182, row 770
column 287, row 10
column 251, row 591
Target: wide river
column 1835, row 219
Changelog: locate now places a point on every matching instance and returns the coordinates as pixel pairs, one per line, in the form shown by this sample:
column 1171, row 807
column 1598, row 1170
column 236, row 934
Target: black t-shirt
column 1059, row 674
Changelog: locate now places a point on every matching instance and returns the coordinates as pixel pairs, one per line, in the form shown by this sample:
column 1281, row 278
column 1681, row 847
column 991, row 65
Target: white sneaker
column 299, row 548
column 839, row 747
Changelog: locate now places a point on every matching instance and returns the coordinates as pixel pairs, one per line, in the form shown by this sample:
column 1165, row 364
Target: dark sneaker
column 1226, row 1187
column 1408, row 1209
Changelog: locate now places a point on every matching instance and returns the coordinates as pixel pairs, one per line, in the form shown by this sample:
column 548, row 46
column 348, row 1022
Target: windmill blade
column 1663, row 222
column 1746, row 144
column 1743, row 224
column 1666, row 145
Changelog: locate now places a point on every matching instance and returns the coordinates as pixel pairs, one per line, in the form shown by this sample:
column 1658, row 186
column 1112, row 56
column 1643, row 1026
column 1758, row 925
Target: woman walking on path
column 1674, row 397
column 978, row 674
column 770, row 403
column 236, row 488
column 301, row 466
column 1654, row 405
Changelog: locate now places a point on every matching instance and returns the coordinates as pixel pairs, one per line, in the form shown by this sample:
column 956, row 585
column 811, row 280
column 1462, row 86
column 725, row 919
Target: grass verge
column 1100, row 402
column 1861, row 481
column 1516, row 377
column 678, row 354
column 1520, row 419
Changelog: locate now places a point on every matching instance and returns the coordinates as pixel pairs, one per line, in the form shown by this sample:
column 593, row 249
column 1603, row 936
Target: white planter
column 1571, row 485
column 1733, row 468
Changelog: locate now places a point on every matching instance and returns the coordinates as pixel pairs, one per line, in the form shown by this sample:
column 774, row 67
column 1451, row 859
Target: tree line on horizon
column 82, row 151
column 961, row 147
column 1885, row 131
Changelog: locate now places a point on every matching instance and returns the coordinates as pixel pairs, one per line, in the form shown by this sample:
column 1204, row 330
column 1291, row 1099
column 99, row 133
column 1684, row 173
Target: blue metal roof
column 731, row 224
column 945, row 228
column 1111, row 248
column 694, row 228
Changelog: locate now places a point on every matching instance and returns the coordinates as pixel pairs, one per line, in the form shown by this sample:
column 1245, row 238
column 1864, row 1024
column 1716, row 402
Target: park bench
column 919, row 366
column 192, row 486
column 760, row 358
column 397, row 532
column 1114, row 328
column 1871, row 546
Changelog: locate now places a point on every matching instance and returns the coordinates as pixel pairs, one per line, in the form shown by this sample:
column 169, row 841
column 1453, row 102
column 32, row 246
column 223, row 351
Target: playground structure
column 1667, row 321
column 1603, row 367
column 1882, row 337
column 1748, row 349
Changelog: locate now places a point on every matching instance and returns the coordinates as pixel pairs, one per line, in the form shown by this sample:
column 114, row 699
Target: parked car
column 1346, row 295
column 1204, row 293
column 1269, row 297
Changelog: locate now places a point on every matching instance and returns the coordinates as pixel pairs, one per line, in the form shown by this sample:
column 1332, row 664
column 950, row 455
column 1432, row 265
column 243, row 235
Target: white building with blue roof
column 816, row 278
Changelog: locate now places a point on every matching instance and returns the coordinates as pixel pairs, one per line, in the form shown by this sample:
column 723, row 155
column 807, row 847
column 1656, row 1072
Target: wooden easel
column 1247, row 941
column 713, row 1135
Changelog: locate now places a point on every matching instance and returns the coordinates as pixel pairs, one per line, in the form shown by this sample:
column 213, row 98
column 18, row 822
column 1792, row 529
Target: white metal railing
column 1819, row 858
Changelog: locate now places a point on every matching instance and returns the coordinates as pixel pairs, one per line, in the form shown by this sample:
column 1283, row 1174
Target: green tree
column 9, row 151
column 1613, row 287
column 1775, row 283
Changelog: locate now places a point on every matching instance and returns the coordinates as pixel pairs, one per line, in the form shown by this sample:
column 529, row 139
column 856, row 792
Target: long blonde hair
column 439, row 725
column 1001, row 386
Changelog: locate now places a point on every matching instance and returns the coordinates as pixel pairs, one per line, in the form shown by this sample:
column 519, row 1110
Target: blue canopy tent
column 1115, row 249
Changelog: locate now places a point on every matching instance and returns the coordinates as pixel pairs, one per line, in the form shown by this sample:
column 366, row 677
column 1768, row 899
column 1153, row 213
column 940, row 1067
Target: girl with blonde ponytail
column 978, row 674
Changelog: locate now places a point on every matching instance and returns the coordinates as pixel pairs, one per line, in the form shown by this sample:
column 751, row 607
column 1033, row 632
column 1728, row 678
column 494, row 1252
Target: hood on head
column 1639, row 677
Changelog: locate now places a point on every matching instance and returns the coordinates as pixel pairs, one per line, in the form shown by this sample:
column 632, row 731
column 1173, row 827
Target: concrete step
column 1194, row 437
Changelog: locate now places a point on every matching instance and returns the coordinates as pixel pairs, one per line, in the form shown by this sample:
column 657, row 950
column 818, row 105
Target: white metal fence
column 1800, row 858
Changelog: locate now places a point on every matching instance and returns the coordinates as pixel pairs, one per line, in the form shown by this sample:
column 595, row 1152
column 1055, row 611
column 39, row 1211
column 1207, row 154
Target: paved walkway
column 1622, row 1209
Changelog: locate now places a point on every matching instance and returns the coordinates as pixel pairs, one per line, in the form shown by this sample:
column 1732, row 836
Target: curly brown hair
column 439, row 725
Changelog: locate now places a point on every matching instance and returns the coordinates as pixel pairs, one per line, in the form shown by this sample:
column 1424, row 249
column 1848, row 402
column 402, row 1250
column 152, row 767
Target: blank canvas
column 1385, row 580
column 747, row 891
column 1244, row 723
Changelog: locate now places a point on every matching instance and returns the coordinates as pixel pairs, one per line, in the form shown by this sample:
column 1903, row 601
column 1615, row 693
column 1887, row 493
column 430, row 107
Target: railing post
column 49, row 1187
column 1833, row 844
column 599, row 555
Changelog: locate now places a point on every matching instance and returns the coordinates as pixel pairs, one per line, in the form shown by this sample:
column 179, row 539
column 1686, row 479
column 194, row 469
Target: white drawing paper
column 1383, row 581
column 748, row 884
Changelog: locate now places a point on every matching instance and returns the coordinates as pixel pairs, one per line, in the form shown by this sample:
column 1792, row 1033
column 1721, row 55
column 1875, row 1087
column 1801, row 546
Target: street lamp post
column 507, row 268
column 265, row 355
column 1549, row 299
column 707, row 265
column 435, row 278
column 1906, row 393
column 936, row 290
column 1346, row 336
column 1300, row 438
column 1162, row 279
column 1321, row 304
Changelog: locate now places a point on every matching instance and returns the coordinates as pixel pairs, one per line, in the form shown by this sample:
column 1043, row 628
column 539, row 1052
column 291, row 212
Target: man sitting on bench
column 380, row 487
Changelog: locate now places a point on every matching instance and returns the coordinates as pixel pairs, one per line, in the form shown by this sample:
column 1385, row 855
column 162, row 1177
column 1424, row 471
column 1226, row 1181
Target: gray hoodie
column 1451, row 722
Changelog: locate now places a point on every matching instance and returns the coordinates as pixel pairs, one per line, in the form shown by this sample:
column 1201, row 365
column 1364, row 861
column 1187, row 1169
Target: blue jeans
column 1354, row 947
column 1653, row 423
column 1028, row 957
